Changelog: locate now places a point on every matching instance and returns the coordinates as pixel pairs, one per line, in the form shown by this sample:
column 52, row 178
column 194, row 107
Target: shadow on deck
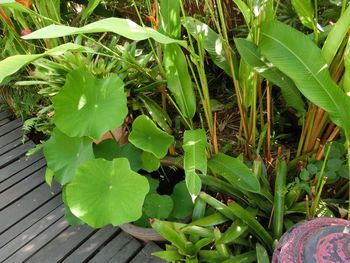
column 32, row 224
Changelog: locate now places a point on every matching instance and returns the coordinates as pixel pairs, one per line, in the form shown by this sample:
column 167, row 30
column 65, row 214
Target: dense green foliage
column 166, row 114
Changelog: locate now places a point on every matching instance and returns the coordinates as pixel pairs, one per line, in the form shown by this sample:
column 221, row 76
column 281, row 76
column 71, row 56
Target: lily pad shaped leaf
column 110, row 149
column 64, row 154
column 87, row 106
column 107, row 192
column 148, row 137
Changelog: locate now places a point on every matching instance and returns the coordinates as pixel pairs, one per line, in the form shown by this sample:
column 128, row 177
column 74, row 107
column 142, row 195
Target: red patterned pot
column 321, row 240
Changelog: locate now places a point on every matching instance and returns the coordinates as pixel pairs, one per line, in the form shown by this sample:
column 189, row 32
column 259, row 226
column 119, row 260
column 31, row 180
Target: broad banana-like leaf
column 170, row 23
column 305, row 12
column 212, row 43
column 336, row 37
column 251, row 54
column 195, row 143
column 120, row 26
column 300, row 59
column 12, row 64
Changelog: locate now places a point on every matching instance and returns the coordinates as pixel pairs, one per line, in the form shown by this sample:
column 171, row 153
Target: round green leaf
column 106, row 192
column 110, row 150
column 64, row 154
column 305, row 175
column 334, row 164
column 312, row 169
column 87, row 106
column 332, row 176
column 153, row 184
column 183, row 205
column 344, row 171
column 148, row 137
column 150, row 163
column 158, row 206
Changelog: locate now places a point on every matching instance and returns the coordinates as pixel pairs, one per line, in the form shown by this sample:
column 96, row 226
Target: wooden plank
column 145, row 255
column 28, row 235
column 4, row 114
column 4, row 121
column 90, row 247
column 10, row 126
column 18, row 165
column 22, row 174
column 62, row 245
column 11, row 136
column 29, row 220
column 23, row 187
column 127, row 252
column 12, row 145
column 38, row 242
column 24, row 206
column 114, row 247
column 15, row 153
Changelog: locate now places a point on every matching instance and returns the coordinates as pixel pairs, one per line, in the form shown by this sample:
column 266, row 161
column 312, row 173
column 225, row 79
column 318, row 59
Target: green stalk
column 316, row 201
column 301, row 140
column 233, row 73
column 316, row 18
column 280, row 184
column 343, row 6
column 276, row 8
column 319, row 178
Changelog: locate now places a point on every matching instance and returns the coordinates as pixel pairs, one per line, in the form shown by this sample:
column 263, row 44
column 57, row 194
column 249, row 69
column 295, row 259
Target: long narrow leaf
column 170, row 23
column 336, row 37
column 12, row 64
column 90, row 8
column 195, row 143
column 179, row 80
column 120, row 26
column 235, row 171
column 305, row 12
column 244, row 10
column 300, row 59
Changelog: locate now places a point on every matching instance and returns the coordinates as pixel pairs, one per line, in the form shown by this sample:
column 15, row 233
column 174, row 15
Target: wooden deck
column 32, row 224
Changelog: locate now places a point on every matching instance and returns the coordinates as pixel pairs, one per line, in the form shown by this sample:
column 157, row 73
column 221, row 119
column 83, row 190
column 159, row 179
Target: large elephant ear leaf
column 299, row 58
column 99, row 193
column 148, row 137
column 64, row 154
column 234, row 171
column 87, row 106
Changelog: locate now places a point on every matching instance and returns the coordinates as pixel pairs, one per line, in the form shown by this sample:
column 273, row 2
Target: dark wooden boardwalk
column 32, row 224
